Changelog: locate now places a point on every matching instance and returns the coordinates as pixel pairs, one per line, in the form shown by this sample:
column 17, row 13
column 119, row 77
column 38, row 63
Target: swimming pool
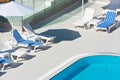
column 97, row 67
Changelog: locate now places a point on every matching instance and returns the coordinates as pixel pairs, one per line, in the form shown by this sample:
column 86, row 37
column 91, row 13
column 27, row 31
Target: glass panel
column 49, row 6
column 101, row 0
column 58, row 3
column 41, row 8
column 28, row 3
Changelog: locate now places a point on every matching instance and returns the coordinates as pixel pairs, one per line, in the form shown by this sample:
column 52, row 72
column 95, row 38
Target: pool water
column 101, row 67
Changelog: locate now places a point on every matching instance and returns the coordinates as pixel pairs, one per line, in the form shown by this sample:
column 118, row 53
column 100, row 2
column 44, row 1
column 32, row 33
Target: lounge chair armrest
column 11, row 43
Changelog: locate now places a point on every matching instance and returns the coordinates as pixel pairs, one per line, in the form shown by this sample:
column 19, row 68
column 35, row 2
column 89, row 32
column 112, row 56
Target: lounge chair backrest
column 17, row 35
column 28, row 29
column 89, row 13
column 2, row 59
column 110, row 17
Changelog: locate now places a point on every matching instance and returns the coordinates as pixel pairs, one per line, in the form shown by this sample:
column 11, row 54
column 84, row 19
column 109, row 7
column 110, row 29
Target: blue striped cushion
column 110, row 17
column 108, row 21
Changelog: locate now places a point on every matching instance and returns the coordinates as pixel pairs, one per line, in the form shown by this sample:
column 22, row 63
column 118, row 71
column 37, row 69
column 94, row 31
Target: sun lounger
column 88, row 16
column 10, row 53
column 37, row 37
column 26, row 43
column 108, row 22
column 19, row 53
column 4, row 52
column 5, row 62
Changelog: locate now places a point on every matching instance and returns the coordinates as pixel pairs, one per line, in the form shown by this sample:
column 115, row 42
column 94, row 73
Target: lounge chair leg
column 96, row 30
column 3, row 67
column 86, row 27
column 17, row 59
column 108, row 30
column 34, row 49
column 46, row 42
column 12, row 57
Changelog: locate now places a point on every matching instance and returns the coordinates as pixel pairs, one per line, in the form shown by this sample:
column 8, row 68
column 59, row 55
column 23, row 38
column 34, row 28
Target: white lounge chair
column 33, row 36
column 4, row 52
column 10, row 53
column 88, row 16
column 19, row 53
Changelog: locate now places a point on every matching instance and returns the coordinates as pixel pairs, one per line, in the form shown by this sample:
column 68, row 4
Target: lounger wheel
column 108, row 30
column 86, row 28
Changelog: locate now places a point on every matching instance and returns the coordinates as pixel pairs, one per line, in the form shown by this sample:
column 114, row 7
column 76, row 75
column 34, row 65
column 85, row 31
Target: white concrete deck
column 45, row 60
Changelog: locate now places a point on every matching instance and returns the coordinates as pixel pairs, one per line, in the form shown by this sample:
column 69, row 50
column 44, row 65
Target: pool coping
column 70, row 61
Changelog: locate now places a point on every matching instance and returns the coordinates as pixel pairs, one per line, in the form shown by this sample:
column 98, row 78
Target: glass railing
column 41, row 8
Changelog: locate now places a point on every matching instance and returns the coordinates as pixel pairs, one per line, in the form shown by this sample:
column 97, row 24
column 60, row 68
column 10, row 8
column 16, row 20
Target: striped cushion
column 109, row 20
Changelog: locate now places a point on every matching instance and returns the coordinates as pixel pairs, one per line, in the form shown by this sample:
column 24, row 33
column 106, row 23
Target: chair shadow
column 13, row 65
column 29, row 57
column 2, row 73
column 41, row 48
column 113, row 5
column 101, row 30
column 45, row 47
column 62, row 34
column 106, row 6
column 114, row 28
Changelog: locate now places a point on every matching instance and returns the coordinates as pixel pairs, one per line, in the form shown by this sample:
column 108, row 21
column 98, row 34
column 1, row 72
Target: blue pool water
column 102, row 67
